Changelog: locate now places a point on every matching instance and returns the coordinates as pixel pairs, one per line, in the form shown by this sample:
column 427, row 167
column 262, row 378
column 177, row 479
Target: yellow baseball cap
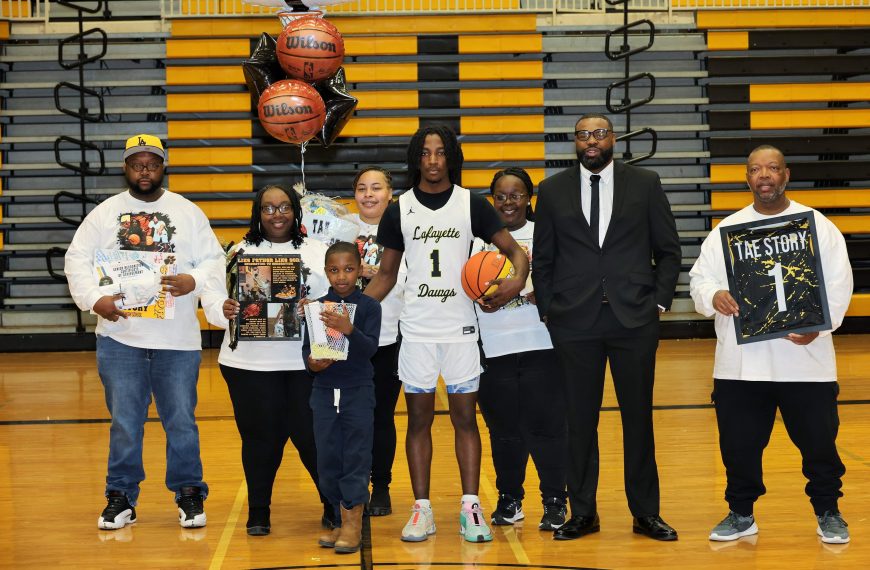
column 144, row 143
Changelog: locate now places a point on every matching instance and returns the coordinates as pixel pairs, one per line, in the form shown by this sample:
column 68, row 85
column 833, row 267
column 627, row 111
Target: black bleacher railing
column 626, row 104
column 84, row 115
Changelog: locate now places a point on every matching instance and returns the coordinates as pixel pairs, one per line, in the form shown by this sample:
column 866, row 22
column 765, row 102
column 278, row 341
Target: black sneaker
column 329, row 520
column 118, row 512
column 379, row 504
column 258, row 522
column 507, row 511
column 191, row 513
column 554, row 514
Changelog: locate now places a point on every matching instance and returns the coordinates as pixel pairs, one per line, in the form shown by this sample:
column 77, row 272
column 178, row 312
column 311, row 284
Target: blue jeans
column 130, row 375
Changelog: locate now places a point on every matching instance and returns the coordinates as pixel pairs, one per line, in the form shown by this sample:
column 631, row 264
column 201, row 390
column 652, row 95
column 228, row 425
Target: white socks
column 468, row 500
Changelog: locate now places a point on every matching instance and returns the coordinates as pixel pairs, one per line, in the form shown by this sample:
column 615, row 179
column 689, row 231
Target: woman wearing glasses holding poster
column 268, row 384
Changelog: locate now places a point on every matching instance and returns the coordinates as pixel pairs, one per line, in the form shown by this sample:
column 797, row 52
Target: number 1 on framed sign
column 775, row 275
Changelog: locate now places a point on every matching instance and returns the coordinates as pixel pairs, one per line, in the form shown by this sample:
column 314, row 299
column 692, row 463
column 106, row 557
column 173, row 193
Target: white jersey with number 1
column 437, row 245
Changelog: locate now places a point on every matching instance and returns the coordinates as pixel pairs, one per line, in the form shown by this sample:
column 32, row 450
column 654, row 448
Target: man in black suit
column 598, row 227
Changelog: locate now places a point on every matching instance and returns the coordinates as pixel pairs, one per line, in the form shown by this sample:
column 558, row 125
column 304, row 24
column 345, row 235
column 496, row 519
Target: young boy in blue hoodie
column 343, row 399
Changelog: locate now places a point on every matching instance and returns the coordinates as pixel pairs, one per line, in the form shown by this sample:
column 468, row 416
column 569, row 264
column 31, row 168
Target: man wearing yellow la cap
column 139, row 356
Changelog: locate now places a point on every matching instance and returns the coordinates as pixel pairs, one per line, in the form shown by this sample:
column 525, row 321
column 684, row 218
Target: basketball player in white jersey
column 434, row 225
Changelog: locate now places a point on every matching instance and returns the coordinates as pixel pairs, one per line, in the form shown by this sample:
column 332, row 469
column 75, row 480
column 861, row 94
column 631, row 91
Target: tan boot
column 351, row 530
column 327, row 539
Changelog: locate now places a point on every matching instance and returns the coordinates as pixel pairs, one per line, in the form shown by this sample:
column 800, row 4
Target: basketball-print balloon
column 291, row 111
column 310, row 48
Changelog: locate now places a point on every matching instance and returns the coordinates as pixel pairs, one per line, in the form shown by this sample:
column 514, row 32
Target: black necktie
column 593, row 210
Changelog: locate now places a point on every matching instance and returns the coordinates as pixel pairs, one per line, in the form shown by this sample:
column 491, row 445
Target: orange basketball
column 481, row 268
column 134, row 239
column 291, row 111
column 310, row 48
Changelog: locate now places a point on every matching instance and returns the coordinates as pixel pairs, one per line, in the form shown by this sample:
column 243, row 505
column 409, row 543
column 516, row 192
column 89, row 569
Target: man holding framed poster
column 777, row 293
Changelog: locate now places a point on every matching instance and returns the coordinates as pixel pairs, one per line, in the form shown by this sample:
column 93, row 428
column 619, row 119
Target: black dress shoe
column 654, row 527
column 576, row 527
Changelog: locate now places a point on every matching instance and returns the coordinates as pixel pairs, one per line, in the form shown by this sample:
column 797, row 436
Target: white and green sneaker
column 421, row 524
column 472, row 524
column 832, row 528
column 733, row 527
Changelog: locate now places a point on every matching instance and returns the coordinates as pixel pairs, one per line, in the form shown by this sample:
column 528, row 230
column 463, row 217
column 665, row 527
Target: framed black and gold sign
column 775, row 275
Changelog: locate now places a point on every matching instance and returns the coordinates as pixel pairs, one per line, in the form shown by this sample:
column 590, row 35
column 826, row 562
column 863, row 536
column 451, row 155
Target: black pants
column 632, row 357
column 522, row 400
column 387, row 387
column 745, row 412
column 271, row 407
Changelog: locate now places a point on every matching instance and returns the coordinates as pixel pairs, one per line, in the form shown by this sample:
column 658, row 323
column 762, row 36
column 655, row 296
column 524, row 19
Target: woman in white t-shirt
column 521, row 390
column 268, row 384
column 373, row 191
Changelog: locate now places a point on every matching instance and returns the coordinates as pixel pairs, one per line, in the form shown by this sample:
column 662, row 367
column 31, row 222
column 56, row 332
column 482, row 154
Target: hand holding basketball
column 506, row 289
column 480, row 272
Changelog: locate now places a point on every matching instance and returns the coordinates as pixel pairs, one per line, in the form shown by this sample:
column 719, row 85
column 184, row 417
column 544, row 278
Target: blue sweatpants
column 343, row 434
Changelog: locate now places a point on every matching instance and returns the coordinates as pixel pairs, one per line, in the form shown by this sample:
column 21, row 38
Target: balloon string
column 304, row 185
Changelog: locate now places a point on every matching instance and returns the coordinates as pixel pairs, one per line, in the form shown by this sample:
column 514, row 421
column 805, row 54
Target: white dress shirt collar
column 606, row 175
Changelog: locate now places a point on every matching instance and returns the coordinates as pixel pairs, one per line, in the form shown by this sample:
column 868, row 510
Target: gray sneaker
column 733, row 527
column 832, row 528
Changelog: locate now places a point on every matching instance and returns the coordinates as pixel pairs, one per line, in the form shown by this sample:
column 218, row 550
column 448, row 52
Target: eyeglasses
column 150, row 167
column 269, row 209
column 502, row 198
column 599, row 134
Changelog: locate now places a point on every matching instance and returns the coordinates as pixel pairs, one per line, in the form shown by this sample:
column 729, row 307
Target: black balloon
column 296, row 5
column 339, row 106
column 262, row 68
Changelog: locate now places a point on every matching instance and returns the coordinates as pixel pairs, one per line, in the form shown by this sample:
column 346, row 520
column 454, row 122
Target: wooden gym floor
column 54, row 442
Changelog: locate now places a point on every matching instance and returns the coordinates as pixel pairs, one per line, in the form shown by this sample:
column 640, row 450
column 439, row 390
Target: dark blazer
column 571, row 273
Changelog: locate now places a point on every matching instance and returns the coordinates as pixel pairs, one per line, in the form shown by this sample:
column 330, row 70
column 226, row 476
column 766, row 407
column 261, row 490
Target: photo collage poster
column 136, row 276
column 269, row 289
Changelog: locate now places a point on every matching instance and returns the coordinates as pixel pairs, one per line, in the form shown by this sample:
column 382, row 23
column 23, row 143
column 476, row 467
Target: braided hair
column 525, row 179
column 255, row 232
column 452, row 150
column 387, row 176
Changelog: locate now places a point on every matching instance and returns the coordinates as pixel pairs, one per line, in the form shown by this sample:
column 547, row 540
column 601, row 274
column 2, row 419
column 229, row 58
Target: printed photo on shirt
column 146, row 231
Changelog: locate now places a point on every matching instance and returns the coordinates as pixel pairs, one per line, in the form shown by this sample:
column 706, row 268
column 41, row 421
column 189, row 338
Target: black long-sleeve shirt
column 357, row 370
